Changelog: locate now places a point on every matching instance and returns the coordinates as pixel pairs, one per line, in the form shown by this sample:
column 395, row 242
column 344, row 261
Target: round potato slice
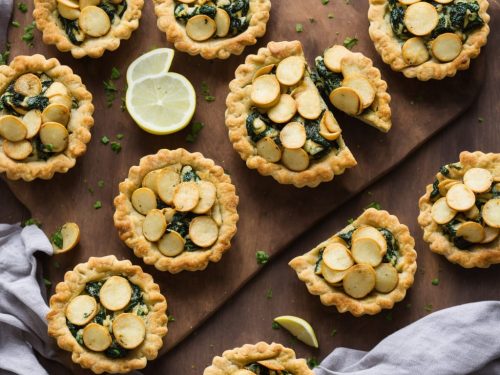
column 415, row 51
column 333, row 57
column 54, row 134
column 150, row 180
column 115, row 293
column 329, row 127
column 70, row 237
column 65, row 100
column 81, row 309
column 386, row 278
column 442, row 213
column 67, row 12
column 368, row 231
column 421, row 18
column 291, row 70
column 272, row 364
column 208, row 195
column 166, row 181
column 491, row 213
column 33, row 120
column 363, row 87
column 408, row 2
column 445, row 185
column 337, row 257
column 471, row 231
column 490, row 234
column 264, row 70
column 143, row 200
column 309, row 104
column 347, row 100
column 56, row 113
column 366, row 250
column 293, row 135
column 154, row 225
column 56, row 88
column 472, row 213
column 85, row 3
column 17, row 150
column 69, row 3
column 446, row 47
column 295, row 159
column 129, row 330
column 265, row 91
column 359, row 280
column 186, row 196
column 94, row 21
column 269, row 150
column 479, row 180
column 171, row 244
column 283, row 111
column 12, row 128
column 222, row 22
column 460, row 197
column 28, row 85
column 331, row 276
column 200, row 28
column 444, row 1
column 96, row 337
column 203, row 231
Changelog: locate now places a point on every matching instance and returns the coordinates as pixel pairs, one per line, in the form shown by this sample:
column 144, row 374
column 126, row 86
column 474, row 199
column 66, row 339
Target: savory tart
column 261, row 358
column 212, row 29
column 177, row 211
column 45, row 118
column 460, row 211
column 427, row 39
column 87, row 27
column 354, row 86
column 278, row 121
column 109, row 314
column 364, row 268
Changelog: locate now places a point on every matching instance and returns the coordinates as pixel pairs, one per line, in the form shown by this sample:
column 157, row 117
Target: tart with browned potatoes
column 261, row 358
column 460, row 211
column 177, row 211
column 212, row 29
column 87, row 27
column 109, row 314
column 428, row 39
column 366, row 267
column 45, row 118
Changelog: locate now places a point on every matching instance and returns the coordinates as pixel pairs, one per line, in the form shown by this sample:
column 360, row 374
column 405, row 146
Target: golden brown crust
column 220, row 48
column 235, row 359
column 47, row 21
column 374, row 302
column 73, row 284
column 479, row 255
column 238, row 105
column 389, row 47
column 79, row 125
column 129, row 222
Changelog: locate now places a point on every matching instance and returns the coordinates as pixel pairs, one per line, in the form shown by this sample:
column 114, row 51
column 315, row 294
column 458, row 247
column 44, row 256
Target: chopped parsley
column 350, row 221
column 116, row 147
column 47, row 282
column 171, row 318
column 32, row 221
column 119, row 136
column 334, row 332
column 435, row 281
column 299, row 27
column 57, row 239
column 22, row 7
column 325, row 2
column 349, row 42
column 275, row 325
column 374, row 205
column 100, row 183
column 428, row 307
column 115, row 73
column 269, row 293
column 480, row 119
column 97, row 205
column 262, row 257
column 195, row 130
column 4, row 56
column 312, row 362
column 110, row 91
column 15, row 24
column 205, row 91
column 104, row 140
column 28, row 35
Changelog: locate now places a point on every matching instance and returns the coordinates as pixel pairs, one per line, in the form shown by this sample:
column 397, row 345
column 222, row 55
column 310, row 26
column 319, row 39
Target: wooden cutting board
column 271, row 215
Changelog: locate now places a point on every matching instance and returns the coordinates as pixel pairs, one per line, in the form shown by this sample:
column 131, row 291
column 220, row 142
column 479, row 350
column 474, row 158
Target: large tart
column 87, row 27
column 364, row 268
column 460, row 211
column 45, row 118
column 109, row 314
column 261, row 358
column 428, row 39
column 212, row 29
column 177, row 211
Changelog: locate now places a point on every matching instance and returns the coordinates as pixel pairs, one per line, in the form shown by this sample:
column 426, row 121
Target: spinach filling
column 259, row 369
column 450, row 229
column 10, row 99
column 180, row 224
column 324, row 79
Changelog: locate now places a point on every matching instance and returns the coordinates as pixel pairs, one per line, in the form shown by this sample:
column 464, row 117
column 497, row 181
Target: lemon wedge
column 298, row 327
column 161, row 104
column 152, row 63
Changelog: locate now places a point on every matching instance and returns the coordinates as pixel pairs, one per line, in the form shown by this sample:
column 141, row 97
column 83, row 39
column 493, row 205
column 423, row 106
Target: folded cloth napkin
column 459, row 340
column 5, row 14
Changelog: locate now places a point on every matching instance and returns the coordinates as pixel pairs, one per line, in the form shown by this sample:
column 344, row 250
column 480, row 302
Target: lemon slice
column 152, row 63
column 161, row 104
column 298, row 327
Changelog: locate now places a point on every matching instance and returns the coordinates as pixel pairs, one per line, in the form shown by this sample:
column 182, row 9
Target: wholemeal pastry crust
column 220, row 48
column 389, row 47
column 79, row 125
column 129, row 222
column 374, row 302
column 479, row 255
column 235, row 359
column 238, row 105
column 46, row 17
column 97, row 269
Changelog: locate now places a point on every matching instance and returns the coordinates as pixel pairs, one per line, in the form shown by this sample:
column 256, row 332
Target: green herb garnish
column 115, row 73
column 47, row 282
column 275, row 326
column 100, row 183
column 349, row 42
column 119, row 136
column 32, row 221
column 428, row 307
column 196, row 128
column 312, row 362
column 104, row 140
column 15, row 24
column 116, row 147
column 4, row 56
column 110, row 91
column 22, row 7
column 28, row 36
column 334, row 332
column 262, row 257
column 97, row 205
column 57, row 238
column 205, row 91
column 299, row 27
column 375, row 205
column 269, row 293
column 171, row 318
column 435, row 281
column 480, row 119
column 325, row 2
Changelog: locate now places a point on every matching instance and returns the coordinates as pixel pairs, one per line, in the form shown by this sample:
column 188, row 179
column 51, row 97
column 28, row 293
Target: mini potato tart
column 261, row 358
column 45, row 118
column 191, row 214
column 371, row 280
column 101, row 339
column 461, row 222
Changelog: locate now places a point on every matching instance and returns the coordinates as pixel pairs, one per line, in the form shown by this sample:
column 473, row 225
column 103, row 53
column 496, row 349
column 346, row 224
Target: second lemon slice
column 298, row 327
column 152, row 63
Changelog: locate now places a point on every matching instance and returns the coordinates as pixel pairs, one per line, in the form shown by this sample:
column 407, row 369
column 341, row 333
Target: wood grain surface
column 272, row 215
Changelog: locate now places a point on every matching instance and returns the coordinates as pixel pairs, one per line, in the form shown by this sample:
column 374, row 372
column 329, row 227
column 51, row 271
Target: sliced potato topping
column 333, row 57
column 67, row 12
column 490, row 234
column 445, row 185
column 222, row 22
column 129, row 330
column 115, row 293
column 331, row 276
column 291, row 70
column 359, row 280
column 263, row 70
column 81, row 309
column 86, row 3
column 283, row 112
column 56, row 88
column 421, row 18
column 366, row 250
column 368, row 231
column 203, row 231
column 386, row 278
column 150, row 181
column 408, row 2
column 12, row 128
column 143, row 200
column 265, row 91
column 293, row 135
column 54, row 134
column 337, row 257
column 444, row 1
column 200, row 28
column 309, row 103
column 347, row 100
column 460, row 197
column 415, row 51
column 272, row 364
column 363, row 88
column 471, row 231
column 33, row 120
column 17, row 150
column 69, row 3
column 479, row 180
column 56, row 113
column 446, row 47
column 94, row 21
column 473, row 213
column 295, row 159
column 65, row 100
column 442, row 213
column 154, row 225
column 208, row 195
column 166, row 181
column 28, row 85
column 268, row 149
column 71, row 237
column 171, row 244
column 96, row 337
column 491, row 213
column 186, row 196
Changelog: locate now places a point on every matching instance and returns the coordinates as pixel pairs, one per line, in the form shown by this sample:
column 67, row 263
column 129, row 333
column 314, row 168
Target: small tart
column 143, row 200
column 28, row 85
column 203, row 231
column 337, row 257
column 115, row 293
column 17, row 150
column 446, row 47
column 154, row 225
column 81, row 309
column 265, row 91
column 269, row 150
column 171, row 244
column 460, row 197
column 293, row 135
column 33, row 121
column 291, row 70
column 96, row 337
column 333, row 57
column 200, row 28
column 186, row 196
column 54, row 134
column 56, row 113
column 129, row 330
column 421, row 18
column 359, row 280
column 284, row 110
column 414, row 51
column 386, row 278
column 479, row 180
column 12, row 128
column 491, row 213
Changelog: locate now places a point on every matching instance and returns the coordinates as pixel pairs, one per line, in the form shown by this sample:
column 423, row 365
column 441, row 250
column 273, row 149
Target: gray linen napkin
column 5, row 14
